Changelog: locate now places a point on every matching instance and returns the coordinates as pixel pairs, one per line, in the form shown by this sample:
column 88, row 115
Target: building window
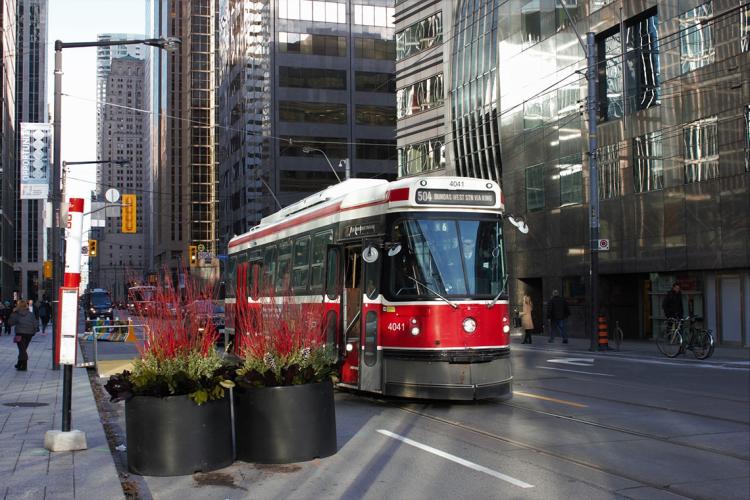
column 535, row 188
column 306, row 181
column 598, row 4
column 366, row 81
column 312, row 78
column 309, row 10
column 333, row 147
column 570, row 170
column 375, row 48
column 369, row 15
column 538, row 110
column 421, row 96
column 696, row 40
column 373, row 149
column 378, row 116
column 631, row 83
column 745, row 28
column 701, row 150
column 531, row 13
column 421, row 157
column 312, row 112
column 419, row 36
column 609, row 171
column 317, row 45
column 648, row 164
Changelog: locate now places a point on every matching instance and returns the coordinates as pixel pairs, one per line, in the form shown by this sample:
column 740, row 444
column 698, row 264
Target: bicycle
column 616, row 336
column 672, row 342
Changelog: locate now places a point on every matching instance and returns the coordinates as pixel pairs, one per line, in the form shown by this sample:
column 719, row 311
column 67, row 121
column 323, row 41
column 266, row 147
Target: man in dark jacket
column 44, row 313
column 26, row 326
column 672, row 304
column 557, row 312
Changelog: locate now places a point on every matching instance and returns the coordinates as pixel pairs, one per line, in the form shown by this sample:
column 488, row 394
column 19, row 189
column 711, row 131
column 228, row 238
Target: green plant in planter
column 280, row 342
column 178, row 354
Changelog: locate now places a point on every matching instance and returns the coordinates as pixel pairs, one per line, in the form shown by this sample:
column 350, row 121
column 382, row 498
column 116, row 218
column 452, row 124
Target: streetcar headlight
column 506, row 329
column 349, row 348
column 470, row 325
column 415, row 330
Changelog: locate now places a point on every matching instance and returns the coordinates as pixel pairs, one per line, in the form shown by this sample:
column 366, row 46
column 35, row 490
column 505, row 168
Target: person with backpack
column 557, row 313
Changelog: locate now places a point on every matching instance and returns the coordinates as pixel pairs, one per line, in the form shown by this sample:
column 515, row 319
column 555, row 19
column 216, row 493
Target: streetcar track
column 642, row 405
column 530, row 447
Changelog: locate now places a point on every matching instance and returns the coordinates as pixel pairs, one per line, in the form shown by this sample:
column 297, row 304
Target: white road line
column 458, row 460
column 574, row 371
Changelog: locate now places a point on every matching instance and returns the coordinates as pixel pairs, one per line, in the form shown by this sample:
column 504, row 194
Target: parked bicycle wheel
column 670, row 340
column 703, row 344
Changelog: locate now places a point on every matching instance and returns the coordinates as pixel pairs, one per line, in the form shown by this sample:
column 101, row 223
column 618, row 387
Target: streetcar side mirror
column 370, row 254
column 394, row 250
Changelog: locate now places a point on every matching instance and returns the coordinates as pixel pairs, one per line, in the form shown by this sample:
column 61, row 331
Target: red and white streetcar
column 411, row 275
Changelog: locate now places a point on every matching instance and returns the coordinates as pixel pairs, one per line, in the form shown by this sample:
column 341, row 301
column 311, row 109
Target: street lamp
column 344, row 162
column 169, row 43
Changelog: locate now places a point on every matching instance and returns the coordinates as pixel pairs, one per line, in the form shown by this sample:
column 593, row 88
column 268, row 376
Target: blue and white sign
column 36, row 139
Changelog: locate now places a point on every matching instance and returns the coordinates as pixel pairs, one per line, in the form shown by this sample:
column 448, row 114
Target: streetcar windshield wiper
column 415, row 280
column 500, row 294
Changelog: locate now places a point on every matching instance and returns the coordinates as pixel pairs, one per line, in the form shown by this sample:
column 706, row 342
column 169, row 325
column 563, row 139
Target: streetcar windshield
column 450, row 257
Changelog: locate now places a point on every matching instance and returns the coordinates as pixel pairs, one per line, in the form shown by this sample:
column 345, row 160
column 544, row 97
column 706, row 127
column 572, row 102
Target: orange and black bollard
column 603, row 334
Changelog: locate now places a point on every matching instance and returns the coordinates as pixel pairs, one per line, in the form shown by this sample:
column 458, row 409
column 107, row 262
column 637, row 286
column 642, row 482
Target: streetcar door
column 351, row 313
column 370, row 363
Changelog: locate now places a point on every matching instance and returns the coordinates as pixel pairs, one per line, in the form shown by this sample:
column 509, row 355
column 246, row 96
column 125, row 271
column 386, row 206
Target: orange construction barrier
column 603, row 334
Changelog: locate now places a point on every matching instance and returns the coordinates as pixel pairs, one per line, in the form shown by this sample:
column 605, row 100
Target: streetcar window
column 301, row 264
column 332, row 272
column 371, row 338
column 231, row 277
column 253, row 279
column 283, row 272
column 269, row 269
column 319, row 244
column 372, row 279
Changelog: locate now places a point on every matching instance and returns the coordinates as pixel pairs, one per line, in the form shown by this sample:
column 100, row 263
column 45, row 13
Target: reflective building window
column 375, row 48
column 570, row 170
column 369, row 15
column 373, row 149
column 648, row 164
column 421, row 96
column 745, row 28
column 379, row 116
column 312, row 78
column 609, row 171
column 292, row 146
column 696, row 41
column 539, row 110
column 367, row 81
column 598, row 4
column 421, row 157
column 419, row 36
column 631, row 83
column 700, row 139
column 318, row 45
column 312, row 112
column 535, row 188
column 312, row 10
column 476, row 137
column 531, row 14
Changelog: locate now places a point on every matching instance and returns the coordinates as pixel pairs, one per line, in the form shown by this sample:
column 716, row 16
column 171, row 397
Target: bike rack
column 100, row 331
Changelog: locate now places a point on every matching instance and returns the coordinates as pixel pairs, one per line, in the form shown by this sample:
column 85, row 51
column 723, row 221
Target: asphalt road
column 579, row 426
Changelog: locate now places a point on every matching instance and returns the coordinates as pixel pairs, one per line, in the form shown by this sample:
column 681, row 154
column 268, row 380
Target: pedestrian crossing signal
column 193, row 254
column 92, row 248
column 47, row 269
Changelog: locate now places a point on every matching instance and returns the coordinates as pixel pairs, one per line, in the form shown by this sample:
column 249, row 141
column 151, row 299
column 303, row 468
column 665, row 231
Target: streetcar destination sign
column 448, row 197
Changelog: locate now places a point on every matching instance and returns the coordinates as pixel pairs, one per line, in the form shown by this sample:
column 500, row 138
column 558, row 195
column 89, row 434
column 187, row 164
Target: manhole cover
column 25, row 405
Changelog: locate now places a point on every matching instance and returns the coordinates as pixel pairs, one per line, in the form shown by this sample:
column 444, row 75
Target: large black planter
column 173, row 436
column 278, row 425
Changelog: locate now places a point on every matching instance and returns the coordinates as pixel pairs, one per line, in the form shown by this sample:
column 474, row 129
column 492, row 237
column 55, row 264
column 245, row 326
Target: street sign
column 68, row 323
column 112, row 195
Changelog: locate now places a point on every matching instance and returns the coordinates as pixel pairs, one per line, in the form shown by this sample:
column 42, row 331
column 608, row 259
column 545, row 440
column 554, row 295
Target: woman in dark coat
column 26, row 326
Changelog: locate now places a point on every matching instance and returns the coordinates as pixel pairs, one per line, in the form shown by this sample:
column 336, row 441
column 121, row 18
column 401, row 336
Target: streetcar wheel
column 703, row 345
column 670, row 343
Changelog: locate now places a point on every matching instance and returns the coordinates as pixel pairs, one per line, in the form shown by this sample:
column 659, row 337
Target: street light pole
column 308, row 150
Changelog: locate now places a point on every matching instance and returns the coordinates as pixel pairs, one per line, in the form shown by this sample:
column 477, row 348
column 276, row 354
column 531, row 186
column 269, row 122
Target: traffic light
column 129, row 213
column 47, row 269
column 193, row 254
column 92, row 248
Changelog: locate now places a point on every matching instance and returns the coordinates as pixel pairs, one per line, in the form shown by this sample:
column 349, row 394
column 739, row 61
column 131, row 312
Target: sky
column 82, row 21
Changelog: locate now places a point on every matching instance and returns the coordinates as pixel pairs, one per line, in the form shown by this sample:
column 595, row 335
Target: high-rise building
column 673, row 144
column 185, row 198
column 8, row 165
column 31, row 106
column 302, row 86
column 121, row 257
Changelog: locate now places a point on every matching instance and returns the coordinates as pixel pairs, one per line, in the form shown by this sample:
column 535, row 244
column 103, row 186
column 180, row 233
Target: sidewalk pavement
column 30, row 405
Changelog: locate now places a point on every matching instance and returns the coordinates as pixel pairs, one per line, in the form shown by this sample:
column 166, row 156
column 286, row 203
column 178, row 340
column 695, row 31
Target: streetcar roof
column 357, row 195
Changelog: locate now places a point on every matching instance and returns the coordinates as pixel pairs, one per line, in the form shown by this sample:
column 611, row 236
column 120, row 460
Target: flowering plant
column 177, row 355
column 280, row 342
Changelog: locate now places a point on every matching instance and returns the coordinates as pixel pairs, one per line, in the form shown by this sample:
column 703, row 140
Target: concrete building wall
column 8, row 164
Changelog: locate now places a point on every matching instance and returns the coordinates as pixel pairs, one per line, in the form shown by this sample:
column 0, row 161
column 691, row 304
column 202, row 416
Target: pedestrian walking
column 26, row 327
column 557, row 313
column 6, row 311
column 527, row 323
column 44, row 313
column 672, row 303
